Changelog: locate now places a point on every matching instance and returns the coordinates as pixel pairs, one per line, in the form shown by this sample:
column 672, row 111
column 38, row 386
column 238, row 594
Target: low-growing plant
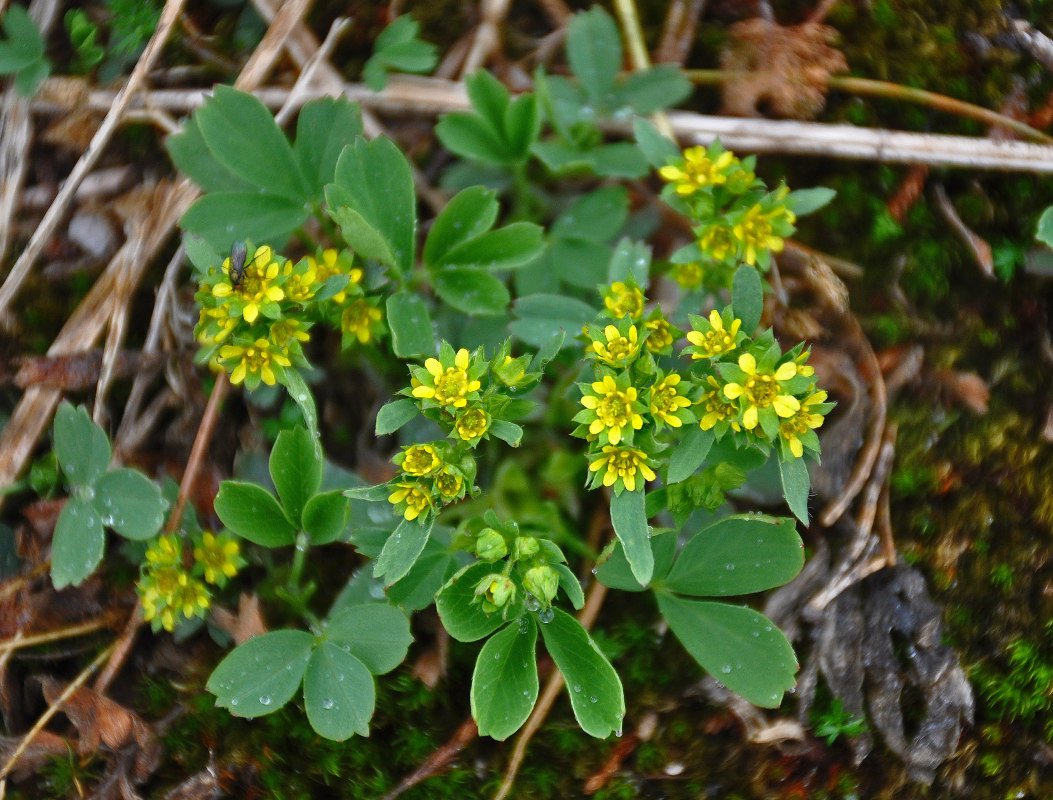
column 22, row 51
column 665, row 429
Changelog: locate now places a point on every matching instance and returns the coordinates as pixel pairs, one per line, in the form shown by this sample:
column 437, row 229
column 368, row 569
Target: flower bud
column 525, row 547
column 490, row 545
column 542, row 582
column 512, row 371
column 496, row 590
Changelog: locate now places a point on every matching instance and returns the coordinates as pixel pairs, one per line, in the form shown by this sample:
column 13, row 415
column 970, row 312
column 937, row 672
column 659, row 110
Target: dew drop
column 729, row 567
column 265, row 700
column 546, row 615
column 592, row 699
column 531, row 602
column 233, row 701
column 328, row 703
column 577, row 687
column 726, row 669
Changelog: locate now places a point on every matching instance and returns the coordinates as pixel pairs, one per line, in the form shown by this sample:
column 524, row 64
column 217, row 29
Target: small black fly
column 238, row 252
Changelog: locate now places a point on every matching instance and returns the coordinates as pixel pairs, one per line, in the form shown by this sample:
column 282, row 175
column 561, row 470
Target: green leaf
column 379, row 186
column 689, row 454
column 402, row 549
column 590, row 259
column 508, row 432
column 411, row 332
column 596, row 216
column 470, row 136
column 471, row 290
column 504, row 683
column 77, row 545
column 191, row 155
column 616, row 573
column 418, row 589
column 568, row 581
column 29, row 78
column 254, row 514
column 413, row 57
column 738, row 646
column 243, row 136
column 325, row 126
column 378, row 635
column 738, row 555
column 301, row 395
column 796, row 486
column 23, row 44
column 325, row 517
column 222, row 217
column 630, row 258
column 522, row 124
column 630, row 525
column 394, row 415
column 506, row 248
column 296, row 469
column 1045, row 227
column 542, row 316
column 805, row 201
column 618, row 160
column 468, row 214
column 130, row 503
column 747, row 297
column 653, row 89
column 658, row 149
column 594, row 50
column 595, row 691
column 338, row 693
column 263, row 674
column 363, row 238
column 464, row 619
column 81, row 446
column 398, row 48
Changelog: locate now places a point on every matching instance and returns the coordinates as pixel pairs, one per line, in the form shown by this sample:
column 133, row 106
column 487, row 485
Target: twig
column 638, row 57
column 52, row 710
column 896, row 91
column 307, row 73
column 57, row 211
column 587, row 617
column 679, row 31
column 416, row 96
column 884, row 525
column 869, row 452
column 438, row 760
column 18, row 641
column 487, row 35
column 193, row 467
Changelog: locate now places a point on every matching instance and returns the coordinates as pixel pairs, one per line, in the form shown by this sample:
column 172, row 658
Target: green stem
column 524, row 203
column 866, row 86
column 299, row 559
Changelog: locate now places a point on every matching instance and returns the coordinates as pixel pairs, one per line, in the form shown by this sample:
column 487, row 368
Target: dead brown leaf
column 788, row 68
column 246, row 623
column 101, row 721
column 45, row 745
column 967, row 388
column 79, row 370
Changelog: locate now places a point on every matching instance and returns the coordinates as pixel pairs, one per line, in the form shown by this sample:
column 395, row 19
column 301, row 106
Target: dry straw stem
column 57, row 211
column 414, row 96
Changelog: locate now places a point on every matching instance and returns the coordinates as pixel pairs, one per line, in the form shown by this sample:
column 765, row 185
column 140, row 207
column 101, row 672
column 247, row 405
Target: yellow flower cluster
column 256, row 312
column 173, row 588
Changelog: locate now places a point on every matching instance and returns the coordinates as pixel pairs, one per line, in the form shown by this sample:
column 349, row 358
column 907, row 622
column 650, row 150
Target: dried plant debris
column 788, row 68
column 882, row 640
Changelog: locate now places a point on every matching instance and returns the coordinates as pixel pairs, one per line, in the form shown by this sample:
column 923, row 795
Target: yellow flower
column 416, row 499
column 618, row 350
column 450, row 386
column 253, row 360
column 689, row 276
column 358, row 320
column 754, row 232
column 286, row 331
column 715, row 341
column 330, row 265
column 612, row 409
column 217, row 320
column 302, row 281
column 472, row 424
column 666, row 400
column 717, row 408
column 762, row 390
column 166, row 551
column 169, row 591
column 793, row 428
column 256, row 287
column 622, row 464
column 718, row 243
column 660, row 335
column 449, row 484
column 420, row 460
column 622, row 300
column 697, row 171
column 218, row 556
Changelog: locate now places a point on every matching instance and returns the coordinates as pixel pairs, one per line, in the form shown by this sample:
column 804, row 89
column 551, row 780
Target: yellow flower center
column 613, row 410
column 451, row 386
column 761, row 390
column 472, row 424
column 448, row 484
column 420, row 460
